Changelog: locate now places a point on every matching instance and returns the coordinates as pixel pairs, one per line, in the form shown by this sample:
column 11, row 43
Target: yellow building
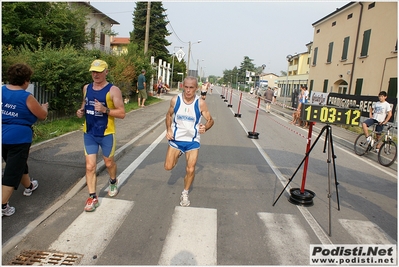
column 354, row 50
column 119, row 45
column 297, row 73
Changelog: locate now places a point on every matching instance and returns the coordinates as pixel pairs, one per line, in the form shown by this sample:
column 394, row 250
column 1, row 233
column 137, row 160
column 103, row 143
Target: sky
column 265, row 31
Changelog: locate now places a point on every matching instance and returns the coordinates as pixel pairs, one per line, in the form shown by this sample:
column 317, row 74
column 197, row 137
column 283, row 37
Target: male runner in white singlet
column 183, row 129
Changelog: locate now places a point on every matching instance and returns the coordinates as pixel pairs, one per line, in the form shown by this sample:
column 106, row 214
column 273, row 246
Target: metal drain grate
column 33, row 257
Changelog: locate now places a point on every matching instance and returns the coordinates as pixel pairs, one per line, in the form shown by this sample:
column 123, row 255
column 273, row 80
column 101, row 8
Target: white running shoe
column 8, row 211
column 113, row 189
column 28, row 191
column 184, row 202
column 368, row 139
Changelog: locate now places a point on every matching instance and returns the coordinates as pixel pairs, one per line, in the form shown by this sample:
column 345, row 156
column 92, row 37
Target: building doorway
column 342, row 87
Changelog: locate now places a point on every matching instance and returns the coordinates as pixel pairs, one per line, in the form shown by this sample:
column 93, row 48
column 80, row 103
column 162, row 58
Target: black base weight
column 302, row 199
column 237, row 115
column 253, row 135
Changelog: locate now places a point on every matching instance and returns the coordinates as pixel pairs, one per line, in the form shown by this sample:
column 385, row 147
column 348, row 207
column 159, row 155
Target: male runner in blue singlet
column 102, row 102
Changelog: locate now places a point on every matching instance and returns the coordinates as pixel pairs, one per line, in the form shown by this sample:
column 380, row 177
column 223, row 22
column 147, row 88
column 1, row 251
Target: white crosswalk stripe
column 191, row 239
column 91, row 232
column 287, row 239
column 193, row 232
column 366, row 232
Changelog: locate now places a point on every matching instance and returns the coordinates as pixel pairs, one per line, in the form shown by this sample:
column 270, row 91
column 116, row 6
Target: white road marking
column 12, row 242
column 366, row 232
column 286, row 238
column 91, row 232
column 124, row 175
column 320, row 233
column 192, row 238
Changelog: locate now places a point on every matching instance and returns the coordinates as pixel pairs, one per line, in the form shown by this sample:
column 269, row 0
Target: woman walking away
column 20, row 110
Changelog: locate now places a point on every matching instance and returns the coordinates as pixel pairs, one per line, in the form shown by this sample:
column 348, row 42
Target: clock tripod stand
column 305, row 198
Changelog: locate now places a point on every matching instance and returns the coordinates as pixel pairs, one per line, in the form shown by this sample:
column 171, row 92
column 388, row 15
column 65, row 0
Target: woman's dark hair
column 19, row 73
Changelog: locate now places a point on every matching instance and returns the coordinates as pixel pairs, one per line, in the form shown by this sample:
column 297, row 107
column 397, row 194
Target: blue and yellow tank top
column 98, row 123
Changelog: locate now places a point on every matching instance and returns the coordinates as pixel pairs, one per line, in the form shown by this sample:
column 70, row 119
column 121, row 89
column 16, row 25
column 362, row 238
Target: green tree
column 139, row 61
column 230, row 76
column 31, row 23
column 212, row 79
column 178, row 67
column 246, row 65
column 157, row 42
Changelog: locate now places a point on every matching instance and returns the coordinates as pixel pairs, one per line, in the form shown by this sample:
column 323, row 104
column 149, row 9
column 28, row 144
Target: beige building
column 354, row 50
column 271, row 79
column 98, row 26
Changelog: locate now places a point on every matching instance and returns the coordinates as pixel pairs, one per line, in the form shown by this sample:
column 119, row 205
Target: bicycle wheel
column 387, row 154
column 361, row 145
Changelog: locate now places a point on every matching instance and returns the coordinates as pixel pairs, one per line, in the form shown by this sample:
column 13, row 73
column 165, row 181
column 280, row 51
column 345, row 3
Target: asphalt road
column 231, row 220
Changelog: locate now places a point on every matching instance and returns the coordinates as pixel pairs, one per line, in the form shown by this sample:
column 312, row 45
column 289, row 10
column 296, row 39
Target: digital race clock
column 330, row 114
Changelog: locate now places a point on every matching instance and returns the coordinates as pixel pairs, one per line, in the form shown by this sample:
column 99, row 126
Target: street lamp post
column 197, row 66
column 189, row 55
column 289, row 58
column 259, row 73
column 203, row 74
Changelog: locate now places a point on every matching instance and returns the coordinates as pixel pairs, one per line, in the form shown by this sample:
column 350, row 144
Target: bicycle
column 387, row 152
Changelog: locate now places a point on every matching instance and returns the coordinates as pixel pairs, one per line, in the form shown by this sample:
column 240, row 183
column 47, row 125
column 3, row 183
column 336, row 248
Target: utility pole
column 189, row 55
column 188, row 59
column 147, row 27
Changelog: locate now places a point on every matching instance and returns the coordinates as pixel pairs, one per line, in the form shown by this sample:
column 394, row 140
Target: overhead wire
column 173, row 30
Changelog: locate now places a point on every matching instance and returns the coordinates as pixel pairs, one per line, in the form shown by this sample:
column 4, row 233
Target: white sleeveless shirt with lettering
column 185, row 125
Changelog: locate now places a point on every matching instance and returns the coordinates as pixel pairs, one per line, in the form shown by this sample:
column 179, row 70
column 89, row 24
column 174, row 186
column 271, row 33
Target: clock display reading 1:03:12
column 330, row 114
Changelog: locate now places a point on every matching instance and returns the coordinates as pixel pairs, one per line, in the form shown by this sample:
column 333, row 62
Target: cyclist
column 380, row 113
